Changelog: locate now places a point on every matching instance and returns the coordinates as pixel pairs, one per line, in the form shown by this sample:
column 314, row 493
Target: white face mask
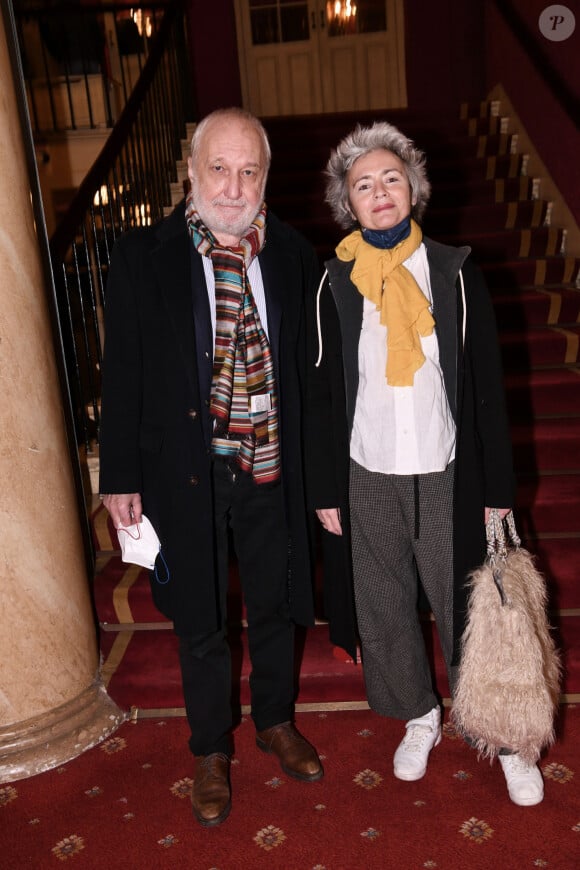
column 139, row 543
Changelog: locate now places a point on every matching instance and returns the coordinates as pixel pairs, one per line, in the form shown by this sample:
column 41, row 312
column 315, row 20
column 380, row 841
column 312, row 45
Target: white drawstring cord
column 319, row 328
column 464, row 304
column 318, row 325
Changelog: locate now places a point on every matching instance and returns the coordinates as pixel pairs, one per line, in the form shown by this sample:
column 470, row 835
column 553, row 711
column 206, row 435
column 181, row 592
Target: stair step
column 480, row 109
column 549, row 504
column 506, row 245
column 478, row 218
column 525, row 308
column 547, row 444
column 484, row 192
column 540, row 346
column 532, row 272
column 490, row 125
column 542, row 391
column 558, row 559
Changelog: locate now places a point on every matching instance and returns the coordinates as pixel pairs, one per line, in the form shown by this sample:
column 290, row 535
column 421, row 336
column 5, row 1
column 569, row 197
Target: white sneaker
column 524, row 781
column 410, row 759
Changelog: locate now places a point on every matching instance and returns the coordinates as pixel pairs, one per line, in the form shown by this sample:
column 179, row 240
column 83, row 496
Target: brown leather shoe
column 298, row 758
column 211, row 796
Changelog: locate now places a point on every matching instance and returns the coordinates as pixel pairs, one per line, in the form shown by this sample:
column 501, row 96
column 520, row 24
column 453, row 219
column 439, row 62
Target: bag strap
column 497, row 545
column 495, row 532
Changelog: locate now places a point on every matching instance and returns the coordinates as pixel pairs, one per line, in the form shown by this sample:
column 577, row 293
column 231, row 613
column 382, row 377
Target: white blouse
column 401, row 430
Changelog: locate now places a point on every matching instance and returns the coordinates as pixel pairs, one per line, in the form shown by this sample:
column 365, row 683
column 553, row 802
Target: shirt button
column 194, row 480
column 192, row 413
column 207, row 354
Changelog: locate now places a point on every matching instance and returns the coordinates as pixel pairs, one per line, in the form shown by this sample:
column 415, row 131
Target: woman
column 409, row 373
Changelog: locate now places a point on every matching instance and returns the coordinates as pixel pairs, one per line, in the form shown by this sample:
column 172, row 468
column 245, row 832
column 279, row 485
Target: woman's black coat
column 473, row 380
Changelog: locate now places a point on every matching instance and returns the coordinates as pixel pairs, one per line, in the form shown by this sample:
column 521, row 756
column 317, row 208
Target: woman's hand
column 503, row 512
column 330, row 519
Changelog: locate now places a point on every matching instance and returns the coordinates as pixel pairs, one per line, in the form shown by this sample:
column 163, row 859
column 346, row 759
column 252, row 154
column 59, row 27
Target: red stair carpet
column 125, row 805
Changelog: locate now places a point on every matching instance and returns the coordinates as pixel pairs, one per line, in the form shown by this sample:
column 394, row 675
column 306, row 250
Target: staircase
column 483, row 197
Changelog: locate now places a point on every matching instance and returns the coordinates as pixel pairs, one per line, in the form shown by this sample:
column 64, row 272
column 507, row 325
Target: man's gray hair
column 234, row 112
column 357, row 144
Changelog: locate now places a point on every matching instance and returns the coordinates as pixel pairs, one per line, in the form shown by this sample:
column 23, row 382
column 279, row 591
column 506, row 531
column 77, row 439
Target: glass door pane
column 346, row 17
column 278, row 21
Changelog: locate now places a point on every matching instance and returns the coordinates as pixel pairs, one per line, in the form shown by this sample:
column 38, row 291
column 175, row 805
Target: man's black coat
column 155, row 425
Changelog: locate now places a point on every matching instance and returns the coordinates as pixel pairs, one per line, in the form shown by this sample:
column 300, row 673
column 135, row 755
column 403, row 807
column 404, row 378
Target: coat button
column 192, row 413
column 194, row 480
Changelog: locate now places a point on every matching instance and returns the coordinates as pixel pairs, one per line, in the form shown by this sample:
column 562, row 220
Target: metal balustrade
column 128, row 186
column 81, row 62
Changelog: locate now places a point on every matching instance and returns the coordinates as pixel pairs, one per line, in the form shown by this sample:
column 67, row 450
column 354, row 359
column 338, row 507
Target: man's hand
column 330, row 519
column 124, row 508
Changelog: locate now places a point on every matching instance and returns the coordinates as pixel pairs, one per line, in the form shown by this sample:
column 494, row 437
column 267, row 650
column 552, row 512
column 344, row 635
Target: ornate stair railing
column 128, row 186
column 81, row 62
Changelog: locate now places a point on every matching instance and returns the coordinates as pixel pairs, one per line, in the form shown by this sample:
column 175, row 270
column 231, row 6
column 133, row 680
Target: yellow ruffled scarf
column 380, row 276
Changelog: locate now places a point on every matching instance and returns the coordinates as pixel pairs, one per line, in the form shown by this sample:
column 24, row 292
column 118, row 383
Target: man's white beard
column 213, row 217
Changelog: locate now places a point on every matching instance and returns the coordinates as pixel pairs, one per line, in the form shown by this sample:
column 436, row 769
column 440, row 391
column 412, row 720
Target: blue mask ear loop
column 167, row 572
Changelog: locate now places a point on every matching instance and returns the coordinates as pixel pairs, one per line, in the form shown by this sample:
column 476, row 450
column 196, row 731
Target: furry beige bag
column 509, row 676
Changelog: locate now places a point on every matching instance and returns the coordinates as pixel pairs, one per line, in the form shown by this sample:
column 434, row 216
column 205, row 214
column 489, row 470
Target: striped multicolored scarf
column 244, row 402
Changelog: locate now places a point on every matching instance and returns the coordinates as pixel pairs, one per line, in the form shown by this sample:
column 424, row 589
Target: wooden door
column 311, row 56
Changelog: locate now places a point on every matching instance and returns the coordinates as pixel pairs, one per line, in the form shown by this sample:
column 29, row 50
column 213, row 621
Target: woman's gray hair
column 357, row 144
column 236, row 113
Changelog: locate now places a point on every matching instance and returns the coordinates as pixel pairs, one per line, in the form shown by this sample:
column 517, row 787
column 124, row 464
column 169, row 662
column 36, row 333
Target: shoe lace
column 517, row 764
column 415, row 738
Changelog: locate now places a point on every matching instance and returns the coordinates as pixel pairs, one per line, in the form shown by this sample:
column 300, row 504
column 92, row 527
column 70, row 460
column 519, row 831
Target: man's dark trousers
column 255, row 513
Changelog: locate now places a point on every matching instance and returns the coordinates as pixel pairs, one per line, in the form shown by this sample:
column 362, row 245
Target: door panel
column 267, row 85
column 340, row 80
column 279, row 63
column 369, row 50
column 304, row 99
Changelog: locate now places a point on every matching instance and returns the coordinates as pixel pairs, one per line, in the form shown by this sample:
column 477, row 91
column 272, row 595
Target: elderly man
column 201, row 431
